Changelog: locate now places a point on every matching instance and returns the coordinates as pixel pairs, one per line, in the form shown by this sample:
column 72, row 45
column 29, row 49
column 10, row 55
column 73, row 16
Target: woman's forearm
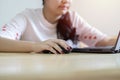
column 8, row 45
column 52, row 45
column 107, row 42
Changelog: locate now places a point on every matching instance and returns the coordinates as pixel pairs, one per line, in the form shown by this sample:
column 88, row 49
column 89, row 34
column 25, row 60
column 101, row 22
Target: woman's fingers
column 40, row 47
column 52, row 50
column 56, row 44
column 63, row 44
column 52, row 45
column 56, row 47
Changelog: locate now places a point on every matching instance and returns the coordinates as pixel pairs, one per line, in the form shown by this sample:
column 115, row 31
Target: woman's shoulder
column 29, row 13
column 75, row 15
column 31, row 10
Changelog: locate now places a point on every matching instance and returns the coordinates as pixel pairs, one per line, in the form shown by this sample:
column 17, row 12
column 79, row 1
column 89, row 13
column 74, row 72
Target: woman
column 36, row 30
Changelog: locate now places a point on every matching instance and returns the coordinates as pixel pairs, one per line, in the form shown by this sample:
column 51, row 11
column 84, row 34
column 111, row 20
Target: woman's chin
column 63, row 12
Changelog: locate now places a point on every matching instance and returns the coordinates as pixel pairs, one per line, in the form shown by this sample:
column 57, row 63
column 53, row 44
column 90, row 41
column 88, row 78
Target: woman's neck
column 50, row 17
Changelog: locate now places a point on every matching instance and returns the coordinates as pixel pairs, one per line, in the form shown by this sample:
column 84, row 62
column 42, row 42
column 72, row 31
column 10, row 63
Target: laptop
column 108, row 49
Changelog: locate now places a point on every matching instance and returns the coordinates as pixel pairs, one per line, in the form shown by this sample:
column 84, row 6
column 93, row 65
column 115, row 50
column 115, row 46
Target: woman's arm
column 107, row 42
column 8, row 45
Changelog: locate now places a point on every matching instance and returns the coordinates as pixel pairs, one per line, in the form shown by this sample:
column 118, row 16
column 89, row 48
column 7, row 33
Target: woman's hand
column 52, row 45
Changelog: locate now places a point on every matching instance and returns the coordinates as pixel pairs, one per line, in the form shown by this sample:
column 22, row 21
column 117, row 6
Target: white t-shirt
column 30, row 25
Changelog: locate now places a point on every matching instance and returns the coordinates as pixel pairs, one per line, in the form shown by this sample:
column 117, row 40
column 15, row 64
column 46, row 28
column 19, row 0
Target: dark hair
column 43, row 2
column 65, row 30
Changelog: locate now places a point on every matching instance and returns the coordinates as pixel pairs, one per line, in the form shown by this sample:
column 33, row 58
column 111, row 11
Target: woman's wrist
column 31, row 46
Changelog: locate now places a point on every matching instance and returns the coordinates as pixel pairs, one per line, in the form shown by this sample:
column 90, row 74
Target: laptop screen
column 117, row 46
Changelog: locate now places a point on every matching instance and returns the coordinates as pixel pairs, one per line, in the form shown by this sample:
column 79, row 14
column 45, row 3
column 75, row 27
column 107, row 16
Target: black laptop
column 108, row 49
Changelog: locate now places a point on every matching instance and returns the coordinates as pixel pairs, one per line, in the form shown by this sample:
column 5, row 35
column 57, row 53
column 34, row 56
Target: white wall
column 9, row 8
column 102, row 14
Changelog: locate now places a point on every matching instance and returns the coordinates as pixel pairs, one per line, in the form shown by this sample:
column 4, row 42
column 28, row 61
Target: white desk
column 25, row 66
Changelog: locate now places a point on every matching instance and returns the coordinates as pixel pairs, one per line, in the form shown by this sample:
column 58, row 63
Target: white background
column 102, row 14
column 9, row 8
